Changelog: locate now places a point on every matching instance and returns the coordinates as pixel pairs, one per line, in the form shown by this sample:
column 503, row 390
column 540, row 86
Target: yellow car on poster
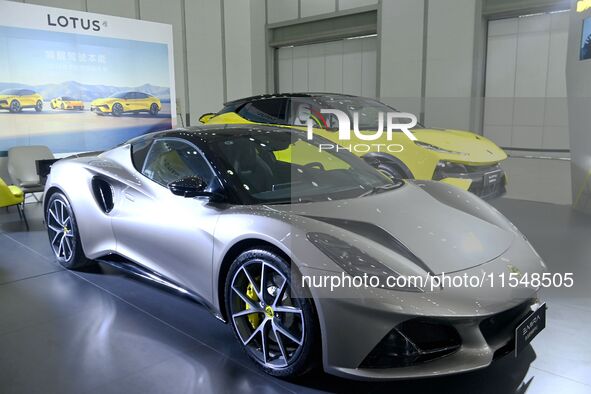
column 126, row 102
column 66, row 102
column 461, row 158
column 15, row 100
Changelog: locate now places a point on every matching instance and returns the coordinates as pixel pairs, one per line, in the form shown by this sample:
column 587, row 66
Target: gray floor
column 537, row 179
column 103, row 332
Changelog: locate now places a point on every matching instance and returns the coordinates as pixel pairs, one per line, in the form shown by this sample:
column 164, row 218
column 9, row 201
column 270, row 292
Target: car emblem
column 514, row 270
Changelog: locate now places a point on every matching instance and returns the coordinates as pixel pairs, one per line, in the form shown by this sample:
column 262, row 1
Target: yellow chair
column 13, row 195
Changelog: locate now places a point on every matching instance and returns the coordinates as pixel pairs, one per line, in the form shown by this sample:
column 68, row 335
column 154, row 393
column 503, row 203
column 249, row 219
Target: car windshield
column 284, row 167
column 118, row 95
column 304, row 108
column 68, row 98
column 10, row 91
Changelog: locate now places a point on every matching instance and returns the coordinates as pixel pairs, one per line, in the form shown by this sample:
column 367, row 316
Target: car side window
column 302, row 109
column 271, row 110
column 130, row 95
column 139, row 151
column 141, row 95
column 170, row 160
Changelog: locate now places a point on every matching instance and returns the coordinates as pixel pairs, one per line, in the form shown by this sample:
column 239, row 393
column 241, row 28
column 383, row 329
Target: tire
column 280, row 315
column 52, row 105
column 39, row 106
column 391, row 170
column 154, row 109
column 15, row 106
column 117, row 109
column 63, row 106
column 64, row 238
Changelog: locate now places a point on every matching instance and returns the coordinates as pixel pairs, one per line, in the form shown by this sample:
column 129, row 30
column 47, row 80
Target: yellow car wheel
column 117, row 109
column 15, row 106
column 154, row 109
column 39, row 106
column 391, row 170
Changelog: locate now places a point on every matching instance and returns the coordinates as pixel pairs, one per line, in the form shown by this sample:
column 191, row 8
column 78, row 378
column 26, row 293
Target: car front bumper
column 355, row 324
column 100, row 108
column 487, row 182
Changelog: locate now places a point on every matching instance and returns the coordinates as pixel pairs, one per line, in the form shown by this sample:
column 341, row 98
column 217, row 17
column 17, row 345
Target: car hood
column 472, row 148
column 444, row 238
column 6, row 96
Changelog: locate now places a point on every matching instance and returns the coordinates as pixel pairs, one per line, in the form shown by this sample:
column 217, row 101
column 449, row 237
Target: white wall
column 525, row 104
column 450, row 62
column 401, row 54
column 345, row 66
column 578, row 81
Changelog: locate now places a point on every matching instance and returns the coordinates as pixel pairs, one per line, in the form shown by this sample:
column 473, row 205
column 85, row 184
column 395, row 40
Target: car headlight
column 437, row 149
column 449, row 167
column 356, row 262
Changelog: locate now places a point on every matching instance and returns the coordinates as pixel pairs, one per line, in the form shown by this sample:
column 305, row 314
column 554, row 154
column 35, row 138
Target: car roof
column 209, row 133
column 284, row 95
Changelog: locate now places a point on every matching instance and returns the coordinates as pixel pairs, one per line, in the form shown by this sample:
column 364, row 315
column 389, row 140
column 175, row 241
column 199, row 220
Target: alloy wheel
column 117, row 109
column 15, row 106
column 269, row 322
column 59, row 224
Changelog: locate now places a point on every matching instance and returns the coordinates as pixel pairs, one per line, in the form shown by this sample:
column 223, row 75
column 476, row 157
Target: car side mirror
column 190, row 186
column 206, row 117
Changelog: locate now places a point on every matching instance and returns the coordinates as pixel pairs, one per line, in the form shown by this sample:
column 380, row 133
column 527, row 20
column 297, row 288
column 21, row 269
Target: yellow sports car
column 126, row 102
column 460, row 158
column 15, row 100
column 66, row 102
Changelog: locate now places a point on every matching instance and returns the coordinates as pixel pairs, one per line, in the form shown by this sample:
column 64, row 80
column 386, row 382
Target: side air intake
column 103, row 194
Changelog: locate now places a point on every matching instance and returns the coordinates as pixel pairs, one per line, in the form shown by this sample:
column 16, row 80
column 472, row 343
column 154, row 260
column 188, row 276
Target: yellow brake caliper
column 253, row 318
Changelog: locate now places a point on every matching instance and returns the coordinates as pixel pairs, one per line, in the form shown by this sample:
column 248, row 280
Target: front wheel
column 391, row 170
column 64, row 237
column 15, row 106
column 39, row 106
column 275, row 322
column 154, row 109
column 117, row 109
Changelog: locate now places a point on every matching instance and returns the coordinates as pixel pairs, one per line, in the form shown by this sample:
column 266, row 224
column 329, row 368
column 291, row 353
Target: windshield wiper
column 380, row 189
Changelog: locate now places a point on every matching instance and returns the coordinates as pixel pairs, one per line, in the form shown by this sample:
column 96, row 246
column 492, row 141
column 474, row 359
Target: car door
column 169, row 234
column 129, row 102
column 27, row 98
column 141, row 103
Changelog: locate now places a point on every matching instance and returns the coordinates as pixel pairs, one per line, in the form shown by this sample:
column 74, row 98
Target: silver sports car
column 268, row 230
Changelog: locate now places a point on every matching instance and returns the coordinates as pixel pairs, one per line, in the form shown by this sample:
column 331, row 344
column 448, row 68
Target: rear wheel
column 117, row 109
column 154, row 109
column 39, row 106
column 273, row 320
column 15, row 106
column 64, row 237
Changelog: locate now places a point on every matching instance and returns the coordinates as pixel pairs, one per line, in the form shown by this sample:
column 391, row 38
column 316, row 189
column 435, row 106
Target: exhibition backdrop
column 66, row 59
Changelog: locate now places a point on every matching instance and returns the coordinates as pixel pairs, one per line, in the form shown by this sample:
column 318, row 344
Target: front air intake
column 103, row 194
